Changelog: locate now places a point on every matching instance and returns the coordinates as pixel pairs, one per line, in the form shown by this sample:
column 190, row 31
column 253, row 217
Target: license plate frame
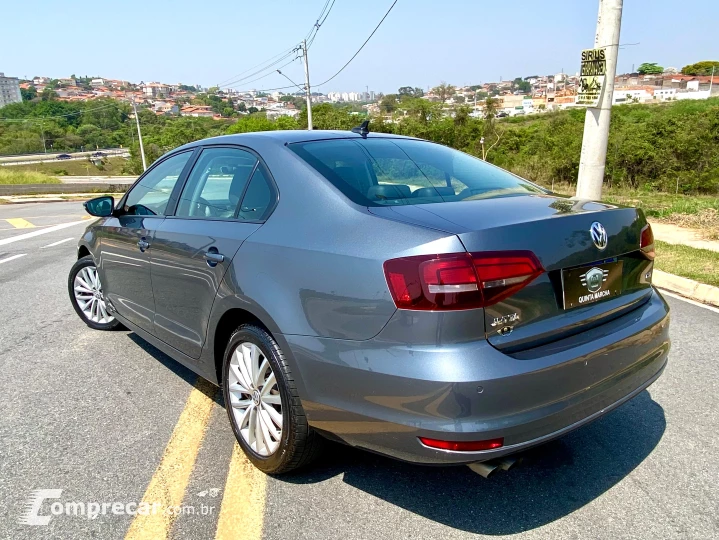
column 591, row 283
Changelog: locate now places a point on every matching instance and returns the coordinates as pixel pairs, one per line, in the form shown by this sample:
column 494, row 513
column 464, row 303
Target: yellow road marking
column 20, row 223
column 167, row 486
column 243, row 501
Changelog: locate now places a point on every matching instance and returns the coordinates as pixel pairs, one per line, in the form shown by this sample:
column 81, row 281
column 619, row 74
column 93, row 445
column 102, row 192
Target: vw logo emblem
column 599, row 235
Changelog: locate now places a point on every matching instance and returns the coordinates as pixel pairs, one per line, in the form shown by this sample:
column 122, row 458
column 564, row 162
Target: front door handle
column 143, row 244
column 213, row 257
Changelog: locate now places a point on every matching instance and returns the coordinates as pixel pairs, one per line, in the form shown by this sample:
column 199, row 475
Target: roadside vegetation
column 110, row 167
column 25, row 177
column 698, row 264
column 671, row 147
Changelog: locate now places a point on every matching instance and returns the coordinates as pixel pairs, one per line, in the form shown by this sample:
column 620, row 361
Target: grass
column 693, row 211
column 701, row 265
column 82, row 167
column 25, row 177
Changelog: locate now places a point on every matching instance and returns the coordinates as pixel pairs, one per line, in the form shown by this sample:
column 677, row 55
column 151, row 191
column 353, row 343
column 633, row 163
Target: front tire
column 85, row 290
column 261, row 399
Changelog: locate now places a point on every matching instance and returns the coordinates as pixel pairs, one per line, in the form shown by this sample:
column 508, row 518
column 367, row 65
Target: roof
column 289, row 137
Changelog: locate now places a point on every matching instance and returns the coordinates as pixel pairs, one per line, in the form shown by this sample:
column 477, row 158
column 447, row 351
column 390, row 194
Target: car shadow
column 550, row 482
column 209, row 389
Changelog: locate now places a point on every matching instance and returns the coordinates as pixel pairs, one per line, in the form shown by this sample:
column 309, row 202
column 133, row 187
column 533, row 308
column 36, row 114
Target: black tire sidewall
column 79, row 265
column 269, row 348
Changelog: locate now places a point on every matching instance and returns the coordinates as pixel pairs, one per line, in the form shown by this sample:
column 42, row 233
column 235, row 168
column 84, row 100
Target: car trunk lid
column 599, row 284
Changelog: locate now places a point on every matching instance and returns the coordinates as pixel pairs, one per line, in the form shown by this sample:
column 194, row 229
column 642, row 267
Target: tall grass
column 25, row 177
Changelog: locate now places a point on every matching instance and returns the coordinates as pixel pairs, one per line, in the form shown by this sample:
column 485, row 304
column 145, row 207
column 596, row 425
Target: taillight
column 646, row 242
column 463, row 446
column 459, row 280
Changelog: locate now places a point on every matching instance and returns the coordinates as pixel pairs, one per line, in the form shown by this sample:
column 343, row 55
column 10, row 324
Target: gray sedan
column 382, row 291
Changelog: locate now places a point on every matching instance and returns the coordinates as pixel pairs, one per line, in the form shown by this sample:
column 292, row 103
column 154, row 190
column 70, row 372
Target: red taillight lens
column 459, row 280
column 463, row 446
column 646, row 243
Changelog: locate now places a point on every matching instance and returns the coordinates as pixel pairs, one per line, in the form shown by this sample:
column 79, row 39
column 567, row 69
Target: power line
column 269, row 66
column 258, row 65
column 270, row 63
column 263, row 76
column 362, row 47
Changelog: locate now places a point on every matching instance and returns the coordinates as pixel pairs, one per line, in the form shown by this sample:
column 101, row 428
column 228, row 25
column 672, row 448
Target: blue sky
column 421, row 43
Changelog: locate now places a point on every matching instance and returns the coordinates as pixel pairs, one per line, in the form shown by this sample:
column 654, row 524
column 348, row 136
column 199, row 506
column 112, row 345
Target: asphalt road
column 106, row 418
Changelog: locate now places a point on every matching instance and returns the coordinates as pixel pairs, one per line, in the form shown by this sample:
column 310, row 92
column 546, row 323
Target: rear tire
column 85, row 289
column 257, row 394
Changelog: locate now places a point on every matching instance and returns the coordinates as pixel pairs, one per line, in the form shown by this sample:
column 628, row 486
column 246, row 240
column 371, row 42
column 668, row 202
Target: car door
column 193, row 249
column 126, row 240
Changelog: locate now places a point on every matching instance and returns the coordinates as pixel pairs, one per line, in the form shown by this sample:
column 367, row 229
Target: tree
column 490, row 108
column 701, row 68
column 408, row 91
column 444, row 91
column 523, row 86
column 459, row 99
column 48, row 94
column 650, row 68
column 252, row 110
column 388, row 104
column 29, row 93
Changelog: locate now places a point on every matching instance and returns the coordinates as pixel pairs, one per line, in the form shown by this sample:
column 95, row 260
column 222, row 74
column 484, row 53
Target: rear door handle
column 213, row 257
column 142, row 244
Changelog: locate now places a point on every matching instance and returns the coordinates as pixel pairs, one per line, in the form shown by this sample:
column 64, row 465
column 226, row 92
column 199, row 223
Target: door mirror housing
column 100, row 206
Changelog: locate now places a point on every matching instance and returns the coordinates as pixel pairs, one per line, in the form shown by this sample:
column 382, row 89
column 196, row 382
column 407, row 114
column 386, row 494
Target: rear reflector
column 459, row 280
column 646, row 243
column 463, row 446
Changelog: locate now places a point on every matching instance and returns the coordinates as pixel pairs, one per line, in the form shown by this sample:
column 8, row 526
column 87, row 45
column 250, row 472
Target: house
column 198, row 111
column 155, row 89
column 96, row 83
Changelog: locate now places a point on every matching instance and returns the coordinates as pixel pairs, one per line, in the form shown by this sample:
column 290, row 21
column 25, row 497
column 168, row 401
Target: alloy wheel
column 88, row 294
column 255, row 399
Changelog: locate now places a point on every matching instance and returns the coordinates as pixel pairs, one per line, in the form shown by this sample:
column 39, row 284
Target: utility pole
column 596, row 123
column 42, row 130
column 139, row 135
column 307, row 86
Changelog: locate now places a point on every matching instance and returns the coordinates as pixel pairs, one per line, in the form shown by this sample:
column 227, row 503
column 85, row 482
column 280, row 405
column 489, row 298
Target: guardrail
column 58, row 189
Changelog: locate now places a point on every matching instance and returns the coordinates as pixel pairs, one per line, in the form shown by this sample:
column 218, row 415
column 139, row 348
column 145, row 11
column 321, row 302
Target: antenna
column 362, row 129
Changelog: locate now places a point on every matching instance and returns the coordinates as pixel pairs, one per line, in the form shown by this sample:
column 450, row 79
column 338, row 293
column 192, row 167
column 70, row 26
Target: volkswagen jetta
column 387, row 292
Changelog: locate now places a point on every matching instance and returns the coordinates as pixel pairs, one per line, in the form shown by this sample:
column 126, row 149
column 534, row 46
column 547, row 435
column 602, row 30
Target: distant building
column 9, row 90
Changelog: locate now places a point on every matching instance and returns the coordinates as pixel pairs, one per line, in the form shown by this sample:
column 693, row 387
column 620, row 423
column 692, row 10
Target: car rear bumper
column 384, row 397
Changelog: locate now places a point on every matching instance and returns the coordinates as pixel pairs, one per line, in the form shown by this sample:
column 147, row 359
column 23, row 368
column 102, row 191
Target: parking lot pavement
column 106, row 418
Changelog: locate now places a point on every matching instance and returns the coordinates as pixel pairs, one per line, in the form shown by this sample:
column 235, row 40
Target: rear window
column 390, row 172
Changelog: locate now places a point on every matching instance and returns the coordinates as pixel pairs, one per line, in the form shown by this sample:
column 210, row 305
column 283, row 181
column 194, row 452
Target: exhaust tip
column 483, row 469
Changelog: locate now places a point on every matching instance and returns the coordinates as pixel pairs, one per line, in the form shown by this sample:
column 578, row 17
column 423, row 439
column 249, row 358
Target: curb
column 699, row 292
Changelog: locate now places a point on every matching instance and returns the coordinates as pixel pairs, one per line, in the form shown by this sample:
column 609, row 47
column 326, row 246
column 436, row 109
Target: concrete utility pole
column 139, row 136
column 596, row 122
column 307, row 86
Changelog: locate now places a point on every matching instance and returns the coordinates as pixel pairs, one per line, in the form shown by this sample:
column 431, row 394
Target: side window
column 259, row 197
column 151, row 195
column 216, row 183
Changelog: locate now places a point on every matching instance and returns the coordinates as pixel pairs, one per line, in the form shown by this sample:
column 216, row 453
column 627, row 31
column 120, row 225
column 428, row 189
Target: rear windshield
column 390, row 172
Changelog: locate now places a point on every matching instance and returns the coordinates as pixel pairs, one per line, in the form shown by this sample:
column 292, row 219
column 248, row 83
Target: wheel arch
column 230, row 320
column 82, row 251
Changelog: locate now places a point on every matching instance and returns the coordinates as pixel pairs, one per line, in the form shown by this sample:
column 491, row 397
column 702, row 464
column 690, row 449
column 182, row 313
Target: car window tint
column 259, row 197
column 381, row 172
column 151, row 195
column 216, row 183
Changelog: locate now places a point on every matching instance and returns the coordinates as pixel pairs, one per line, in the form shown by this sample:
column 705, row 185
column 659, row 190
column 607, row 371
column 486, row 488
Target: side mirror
column 100, row 206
